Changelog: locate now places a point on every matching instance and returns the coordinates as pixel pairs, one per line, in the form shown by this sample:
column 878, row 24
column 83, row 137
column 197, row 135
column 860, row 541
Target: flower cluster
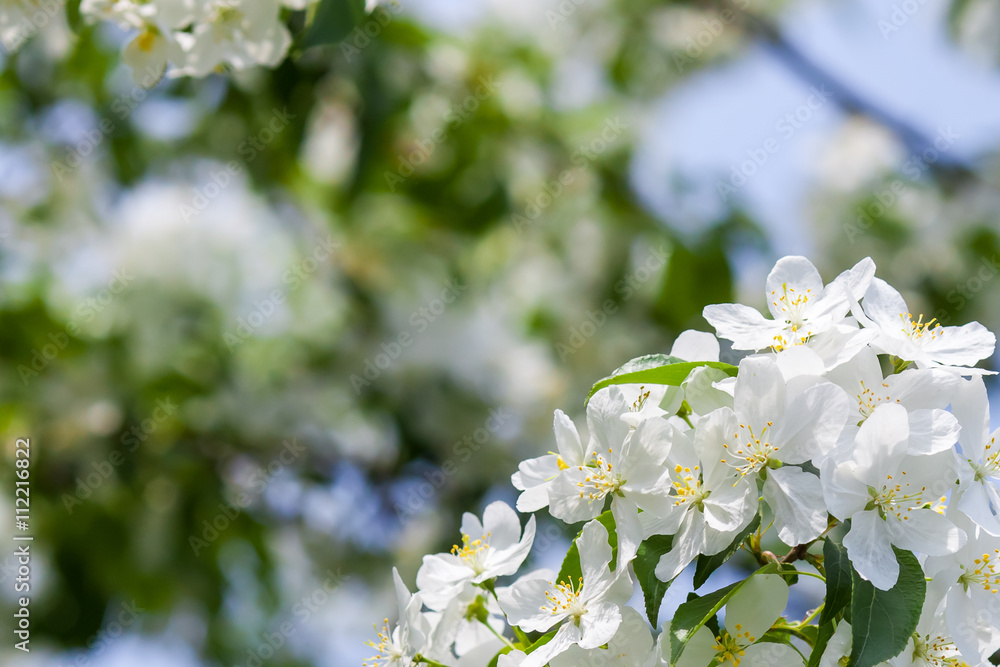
column 852, row 431
column 197, row 37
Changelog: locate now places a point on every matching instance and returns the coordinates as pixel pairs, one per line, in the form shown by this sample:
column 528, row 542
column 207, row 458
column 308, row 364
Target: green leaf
column 334, row 20
column 838, row 581
column 692, row 615
column 73, row 18
column 838, row 596
column 541, row 641
column 644, row 567
column 570, row 570
column 819, row 646
column 671, row 374
column 883, row 621
column 709, row 564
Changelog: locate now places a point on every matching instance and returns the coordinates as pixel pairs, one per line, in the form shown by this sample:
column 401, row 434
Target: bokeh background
column 248, row 322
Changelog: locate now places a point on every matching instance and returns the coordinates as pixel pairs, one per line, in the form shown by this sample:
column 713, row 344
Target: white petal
column 932, row 431
column 927, row 532
column 566, row 636
column 694, row 345
column 744, row 326
column 700, row 649
column 962, row 346
column 566, row 502
column 976, row 504
column 971, row 407
column 884, row 305
column 604, row 412
column 869, row 550
column 796, row 497
column 595, row 553
column 522, row 602
column 794, row 273
column 756, row 606
column 812, row 423
column 731, row 506
column 501, row 524
column 769, row 654
column 688, row 544
column 760, row 392
column 567, row 439
column 599, row 624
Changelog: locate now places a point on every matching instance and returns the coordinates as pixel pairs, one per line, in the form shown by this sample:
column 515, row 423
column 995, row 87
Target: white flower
column 932, row 644
column 535, row 476
column 838, row 649
column 769, row 432
column 891, row 497
column 512, row 659
column 239, row 33
column 16, row 24
column 969, row 583
column 979, row 498
column 396, row 648
column 924, row 393
column 493, row 548
column 928, row 344
column 632, row 646
column 462, row 624
column 699, row 388
column 749, row 614
column 801, row 306
column 588, row 611
column 622, row 463
column 708, row 503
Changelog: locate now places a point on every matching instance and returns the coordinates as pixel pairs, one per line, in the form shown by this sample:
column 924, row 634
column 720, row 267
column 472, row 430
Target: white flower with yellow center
column 770, row 431
column 621, row 463
column 706, row 503
column 749, row 614
column 891, row 497
column 969, row 583
column 492, row 548
column 923, row 392
column 534, row 476
column 912, row 338
column 632, row 646
column 804, row 311
column 587, row 611
column 398, row 646
column 979, row 498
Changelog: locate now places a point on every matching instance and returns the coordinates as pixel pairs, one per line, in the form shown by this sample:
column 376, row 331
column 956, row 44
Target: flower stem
column 499, row 636
column 427, row 661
